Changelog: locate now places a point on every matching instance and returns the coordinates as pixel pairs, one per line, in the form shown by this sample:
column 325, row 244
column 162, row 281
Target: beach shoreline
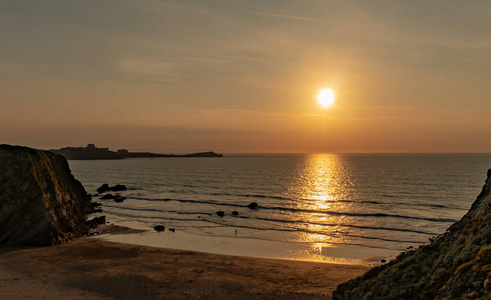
column 134, row 234
column 91, row 267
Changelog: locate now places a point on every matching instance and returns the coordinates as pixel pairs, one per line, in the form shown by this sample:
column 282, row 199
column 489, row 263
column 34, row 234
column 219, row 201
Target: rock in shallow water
column 109, row 196
column 103, row 188
column 118, row 188
column 106, row 188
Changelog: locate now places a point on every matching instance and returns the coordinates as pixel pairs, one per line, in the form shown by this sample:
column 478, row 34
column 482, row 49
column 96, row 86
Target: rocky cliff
column 455, row 265
column 41, row 203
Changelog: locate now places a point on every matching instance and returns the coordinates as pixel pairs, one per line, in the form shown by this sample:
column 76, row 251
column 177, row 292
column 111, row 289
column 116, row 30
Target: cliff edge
column 41, row 203
column 456, row 265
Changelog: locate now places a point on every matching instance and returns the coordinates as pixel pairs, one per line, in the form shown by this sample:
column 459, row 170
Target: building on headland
column 89, row 152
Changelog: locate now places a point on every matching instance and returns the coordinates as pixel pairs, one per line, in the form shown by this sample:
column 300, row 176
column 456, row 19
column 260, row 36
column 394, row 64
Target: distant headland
column 92, row 152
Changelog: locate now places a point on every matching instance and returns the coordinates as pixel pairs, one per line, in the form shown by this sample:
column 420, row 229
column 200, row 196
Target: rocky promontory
column 41, row 203
column 455, row 265
column 91, row 152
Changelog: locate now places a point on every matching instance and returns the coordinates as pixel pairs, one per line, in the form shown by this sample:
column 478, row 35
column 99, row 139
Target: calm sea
column 389, row 201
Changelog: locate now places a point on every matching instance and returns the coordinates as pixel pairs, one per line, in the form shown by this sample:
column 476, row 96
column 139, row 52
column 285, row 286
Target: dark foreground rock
column 455, row 265
column 97, row 221
column 94, row 208
column 41, row 203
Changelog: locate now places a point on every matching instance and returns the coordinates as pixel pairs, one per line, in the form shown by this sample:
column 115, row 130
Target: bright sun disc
column 325, row 97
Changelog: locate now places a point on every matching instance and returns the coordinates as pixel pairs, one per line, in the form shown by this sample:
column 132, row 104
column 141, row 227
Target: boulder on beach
column 235, row 213
column 220, row 213
column 41, row 203
column 252, row 205
column 455, row 265
column 159, row 228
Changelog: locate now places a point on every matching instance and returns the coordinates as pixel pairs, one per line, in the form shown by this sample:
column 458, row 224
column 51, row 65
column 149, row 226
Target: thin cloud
column 249, row 112
column 299, row 18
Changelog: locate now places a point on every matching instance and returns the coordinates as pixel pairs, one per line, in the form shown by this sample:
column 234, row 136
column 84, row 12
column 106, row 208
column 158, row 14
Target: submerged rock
column 41, row 203
column 454, row 265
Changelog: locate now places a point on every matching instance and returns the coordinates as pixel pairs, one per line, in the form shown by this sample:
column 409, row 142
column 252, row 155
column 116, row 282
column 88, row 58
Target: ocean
column 307, row 203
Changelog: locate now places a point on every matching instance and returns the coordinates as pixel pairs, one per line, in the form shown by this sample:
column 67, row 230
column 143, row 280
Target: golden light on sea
column 323, row 181
column 323, row 186
column 326, row 97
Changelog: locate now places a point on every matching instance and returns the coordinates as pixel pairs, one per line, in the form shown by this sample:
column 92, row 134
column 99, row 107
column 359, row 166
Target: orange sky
column 242, row 76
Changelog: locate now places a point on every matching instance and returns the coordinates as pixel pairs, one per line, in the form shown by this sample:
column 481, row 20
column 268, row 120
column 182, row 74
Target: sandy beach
column 97, row 269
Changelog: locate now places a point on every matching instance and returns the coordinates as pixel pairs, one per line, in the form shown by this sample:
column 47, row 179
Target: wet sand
column 96, row 269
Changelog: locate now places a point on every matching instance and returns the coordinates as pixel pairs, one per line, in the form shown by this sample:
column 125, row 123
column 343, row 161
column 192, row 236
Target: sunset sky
column 243, row 76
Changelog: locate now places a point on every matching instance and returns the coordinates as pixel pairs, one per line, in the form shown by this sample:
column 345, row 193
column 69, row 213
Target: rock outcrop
column 106, row 188
column 455, row 265
column 41, row 203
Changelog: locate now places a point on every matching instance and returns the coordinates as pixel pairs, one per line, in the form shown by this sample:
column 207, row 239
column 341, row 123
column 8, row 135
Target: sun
column 325, row 98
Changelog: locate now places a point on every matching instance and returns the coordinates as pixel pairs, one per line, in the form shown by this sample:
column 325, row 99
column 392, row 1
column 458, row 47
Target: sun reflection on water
column 323, row 179
column 322, row 185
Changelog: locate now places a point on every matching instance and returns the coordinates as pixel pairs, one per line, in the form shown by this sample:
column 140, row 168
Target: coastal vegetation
column 455, row 265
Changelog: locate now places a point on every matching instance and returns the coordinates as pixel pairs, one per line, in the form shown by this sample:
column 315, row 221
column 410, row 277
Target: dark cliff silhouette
column 41, row 203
